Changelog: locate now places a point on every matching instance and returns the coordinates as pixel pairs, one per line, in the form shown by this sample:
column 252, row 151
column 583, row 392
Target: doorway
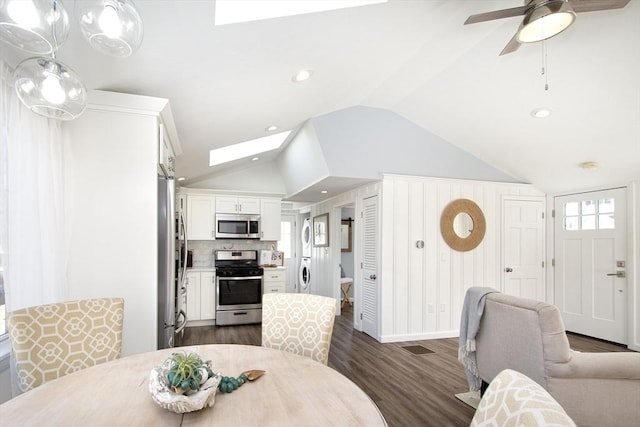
column 590, row 266
column 347, row 260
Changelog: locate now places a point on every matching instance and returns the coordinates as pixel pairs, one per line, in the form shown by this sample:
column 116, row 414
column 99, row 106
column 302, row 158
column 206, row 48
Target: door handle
column 617, row 274
column 372, row 277
column 508, row 269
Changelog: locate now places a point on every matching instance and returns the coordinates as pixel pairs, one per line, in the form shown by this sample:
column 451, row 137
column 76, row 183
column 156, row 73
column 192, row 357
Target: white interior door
column 287, row 244
column 523, row 243
column 370, row 292
column 590, row 248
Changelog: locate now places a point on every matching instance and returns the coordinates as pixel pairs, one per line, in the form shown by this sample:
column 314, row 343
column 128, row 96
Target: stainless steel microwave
column 230, row 226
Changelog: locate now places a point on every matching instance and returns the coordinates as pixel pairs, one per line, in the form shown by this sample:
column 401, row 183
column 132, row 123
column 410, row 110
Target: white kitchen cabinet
column 207, row 295
column 274, row 280
column 270, row 217
column 193, row 296
column 201, row 296
column 237, row 205
column 201, row 217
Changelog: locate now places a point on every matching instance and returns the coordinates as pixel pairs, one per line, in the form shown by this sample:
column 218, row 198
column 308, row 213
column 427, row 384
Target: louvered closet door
column 370, row 291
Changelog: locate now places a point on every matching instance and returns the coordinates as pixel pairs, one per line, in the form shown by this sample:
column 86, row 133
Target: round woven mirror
column 462, row 225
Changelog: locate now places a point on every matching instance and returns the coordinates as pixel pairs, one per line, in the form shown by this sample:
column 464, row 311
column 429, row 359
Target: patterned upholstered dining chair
column 298, row 323
column 53, row 340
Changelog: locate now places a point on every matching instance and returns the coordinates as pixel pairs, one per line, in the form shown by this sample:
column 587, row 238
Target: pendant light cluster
column 45, row 85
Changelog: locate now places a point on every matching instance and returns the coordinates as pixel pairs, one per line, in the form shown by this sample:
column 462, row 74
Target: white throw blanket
column 472, row 310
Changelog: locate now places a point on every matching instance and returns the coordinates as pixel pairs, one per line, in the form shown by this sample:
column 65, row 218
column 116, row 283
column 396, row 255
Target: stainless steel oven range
column 238, row 287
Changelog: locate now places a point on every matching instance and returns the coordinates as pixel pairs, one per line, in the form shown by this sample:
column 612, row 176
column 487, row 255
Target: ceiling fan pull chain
column 545, row 70
column 546, row 66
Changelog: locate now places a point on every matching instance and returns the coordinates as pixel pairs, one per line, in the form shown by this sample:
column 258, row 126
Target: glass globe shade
column 50, row 88
column 36, row 26
column 113, row 27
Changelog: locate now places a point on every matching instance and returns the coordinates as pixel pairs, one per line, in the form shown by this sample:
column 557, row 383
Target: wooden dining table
column 294, row 391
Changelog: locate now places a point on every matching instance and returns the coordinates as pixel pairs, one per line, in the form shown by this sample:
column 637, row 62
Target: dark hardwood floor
column 410, row 389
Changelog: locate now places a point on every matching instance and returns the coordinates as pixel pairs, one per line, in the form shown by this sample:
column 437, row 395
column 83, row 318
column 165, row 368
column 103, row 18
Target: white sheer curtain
column 32, row 229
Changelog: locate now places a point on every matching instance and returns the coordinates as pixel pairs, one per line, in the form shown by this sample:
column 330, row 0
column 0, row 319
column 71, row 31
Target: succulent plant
column 187, row 372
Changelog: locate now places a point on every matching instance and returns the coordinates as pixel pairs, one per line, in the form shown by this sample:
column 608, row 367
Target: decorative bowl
column 180, row 403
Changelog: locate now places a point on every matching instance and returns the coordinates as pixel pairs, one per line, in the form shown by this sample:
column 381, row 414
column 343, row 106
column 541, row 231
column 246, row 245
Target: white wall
column 302, row 163
column 261, row 178
column 383, row 141
column 112, row 217
column 422, row 290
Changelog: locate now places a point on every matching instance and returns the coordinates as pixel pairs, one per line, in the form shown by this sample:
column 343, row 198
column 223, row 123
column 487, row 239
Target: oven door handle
column 240, row 278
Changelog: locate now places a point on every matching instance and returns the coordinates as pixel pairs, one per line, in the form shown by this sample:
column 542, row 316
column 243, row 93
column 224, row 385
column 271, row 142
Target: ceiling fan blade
column 512, row 46
column 593, row 5
column 497, row 14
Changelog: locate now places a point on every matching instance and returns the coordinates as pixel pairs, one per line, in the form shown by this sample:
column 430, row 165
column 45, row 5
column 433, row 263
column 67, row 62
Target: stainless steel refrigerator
column 171, row 290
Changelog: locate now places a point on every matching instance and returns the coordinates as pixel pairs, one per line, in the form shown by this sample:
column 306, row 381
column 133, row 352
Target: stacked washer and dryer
column 304, row 273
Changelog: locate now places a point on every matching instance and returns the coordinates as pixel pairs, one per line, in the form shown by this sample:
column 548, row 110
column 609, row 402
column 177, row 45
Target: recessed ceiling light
column 271, row 128
column 182, row 178
column 541, row 113
column 255, row 159
column 589, row 165
column 302, row 75
column 324, row 191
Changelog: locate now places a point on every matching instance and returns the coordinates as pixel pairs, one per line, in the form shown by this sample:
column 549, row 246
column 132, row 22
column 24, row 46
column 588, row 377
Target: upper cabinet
column 239, row 205
column 270, row 217
column 201, row 217
column 201, row 210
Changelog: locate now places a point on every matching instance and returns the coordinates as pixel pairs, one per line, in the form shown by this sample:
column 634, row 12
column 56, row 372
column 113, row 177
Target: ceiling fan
column 544, row 19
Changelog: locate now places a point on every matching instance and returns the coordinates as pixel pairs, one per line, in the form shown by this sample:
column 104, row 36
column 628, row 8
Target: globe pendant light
column 113, row 27
column 36, row 26
column 50, row 88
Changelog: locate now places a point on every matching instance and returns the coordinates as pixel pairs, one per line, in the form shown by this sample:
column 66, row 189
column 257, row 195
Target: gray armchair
column 528, row 336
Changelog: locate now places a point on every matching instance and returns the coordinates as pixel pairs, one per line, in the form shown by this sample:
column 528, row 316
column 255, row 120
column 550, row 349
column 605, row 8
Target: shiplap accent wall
column 422, row 290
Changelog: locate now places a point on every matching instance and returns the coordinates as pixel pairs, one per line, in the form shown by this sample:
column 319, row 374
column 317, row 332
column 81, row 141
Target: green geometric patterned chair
column 298, row 323
column 53, row 340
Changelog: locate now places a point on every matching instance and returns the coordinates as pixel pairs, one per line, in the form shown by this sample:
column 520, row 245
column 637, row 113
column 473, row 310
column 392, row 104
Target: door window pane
column 571, row 209
column 588, row 207
column 571, row 223
column 588, row 222
column 606, row 206
column 606, row 222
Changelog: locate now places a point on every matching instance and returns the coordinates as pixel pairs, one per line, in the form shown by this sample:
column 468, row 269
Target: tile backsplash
column 203, row 250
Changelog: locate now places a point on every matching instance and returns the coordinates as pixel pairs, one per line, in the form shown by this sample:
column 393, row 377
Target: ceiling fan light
column 113, row 27
column 49, row 88
column 545, row 21
column 36, row 26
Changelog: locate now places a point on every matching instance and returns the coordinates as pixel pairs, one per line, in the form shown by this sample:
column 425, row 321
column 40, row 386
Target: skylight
column 234, row 11
column 247, row 148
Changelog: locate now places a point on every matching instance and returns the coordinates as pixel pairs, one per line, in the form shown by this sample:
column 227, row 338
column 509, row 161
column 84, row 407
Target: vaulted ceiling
column 415, row 58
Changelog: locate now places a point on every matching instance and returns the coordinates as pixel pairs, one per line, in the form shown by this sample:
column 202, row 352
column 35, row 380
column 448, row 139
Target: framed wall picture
column 345, row 235
column 321, row 230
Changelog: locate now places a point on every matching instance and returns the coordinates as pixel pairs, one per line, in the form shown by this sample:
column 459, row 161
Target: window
column 590, row 215
column 284, row 244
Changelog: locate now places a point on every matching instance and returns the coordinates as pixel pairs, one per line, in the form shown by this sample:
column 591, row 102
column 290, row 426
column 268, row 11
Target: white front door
column 370, row 308
column 523, row 243
column 590, row 249
column 287, row 244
